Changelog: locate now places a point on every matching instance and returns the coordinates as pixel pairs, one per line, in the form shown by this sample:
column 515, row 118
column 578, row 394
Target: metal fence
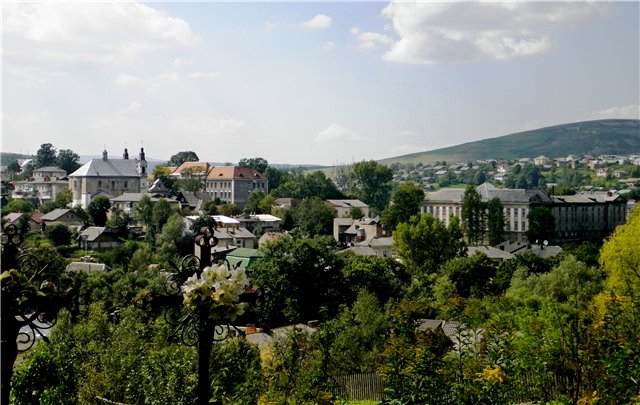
column 360, row 387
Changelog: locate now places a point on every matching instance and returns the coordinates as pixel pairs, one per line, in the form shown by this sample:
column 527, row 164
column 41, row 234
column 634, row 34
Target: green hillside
column 601, row 137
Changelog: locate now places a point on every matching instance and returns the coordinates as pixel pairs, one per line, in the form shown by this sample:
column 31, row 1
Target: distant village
column 588, row 197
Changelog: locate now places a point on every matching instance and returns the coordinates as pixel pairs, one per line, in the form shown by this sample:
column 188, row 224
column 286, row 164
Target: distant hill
column 602, row 137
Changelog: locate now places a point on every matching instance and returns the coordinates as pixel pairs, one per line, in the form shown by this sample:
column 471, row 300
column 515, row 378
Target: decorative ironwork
column 192, row 327
column 30, row 299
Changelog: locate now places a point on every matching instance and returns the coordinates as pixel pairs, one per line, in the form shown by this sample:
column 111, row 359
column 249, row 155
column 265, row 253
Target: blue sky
column 304, row 83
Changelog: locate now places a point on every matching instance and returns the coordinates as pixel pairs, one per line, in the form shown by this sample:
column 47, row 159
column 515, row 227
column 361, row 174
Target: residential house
column 260, row 223
column 44, row 185
column 495, row 255
column 343, row 207
column 125, row 203
column 32, row 222
column 541, row 160
column 348, row 230
column 285, row 203
column 270, row 236
column 520, row 248
column 233, row 184
column 602, row 172
column 98, row 238
column 62, row 216
column 87, row 267
column 109, row 177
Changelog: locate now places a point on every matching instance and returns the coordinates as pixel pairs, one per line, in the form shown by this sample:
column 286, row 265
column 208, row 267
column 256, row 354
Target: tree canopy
column 181, row 157
column 45, row 156
column 405, row 203
column 371, row 182
column 259, row 164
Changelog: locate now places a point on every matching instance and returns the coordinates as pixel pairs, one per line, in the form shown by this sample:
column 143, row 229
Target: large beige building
column 233, row 184
column 577, row 217
column 108, row 177
column 516, row 203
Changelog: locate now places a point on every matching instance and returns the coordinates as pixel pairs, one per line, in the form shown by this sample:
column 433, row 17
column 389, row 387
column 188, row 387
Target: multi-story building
column 45, row 184
column 590, row 216
column 233, row 184
column 108, row 177
column 516, row 203
column 577, row 217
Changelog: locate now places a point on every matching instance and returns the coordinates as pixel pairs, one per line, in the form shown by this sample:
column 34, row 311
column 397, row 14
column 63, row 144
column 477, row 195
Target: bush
column 58, row 234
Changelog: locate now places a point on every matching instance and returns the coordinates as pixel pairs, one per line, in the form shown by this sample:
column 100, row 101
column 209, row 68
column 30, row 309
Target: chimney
column 250, row 329
column 104, row 154
column 125, row 155
column 142, row 154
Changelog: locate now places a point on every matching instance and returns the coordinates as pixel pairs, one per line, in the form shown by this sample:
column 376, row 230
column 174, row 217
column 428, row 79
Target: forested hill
column 602, row 137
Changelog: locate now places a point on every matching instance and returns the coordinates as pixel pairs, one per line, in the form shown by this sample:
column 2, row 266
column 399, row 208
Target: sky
column 308, row 83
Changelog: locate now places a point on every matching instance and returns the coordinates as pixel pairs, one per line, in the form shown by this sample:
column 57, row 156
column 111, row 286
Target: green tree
column 160, row 214
column 172, row 231
column 313, row 217
column 181, row 157
column 473, row 215
column 425, row 243
column 274, row 176
column 266, row 204
column 258, row 164
column 163, row 173
column 542, row 225
column 371, row 183
column 301, row 185
column 230, row 210
column 17, row 205
column 144, row 211
column 253, row 203
column 58, row 234
column 471, row 276
column 68, row 160
column 299, row 278
column 495, row 221
column 45, row 156
column 209, row 208
column 14, row 167
column 405, row 203
column 98, row 209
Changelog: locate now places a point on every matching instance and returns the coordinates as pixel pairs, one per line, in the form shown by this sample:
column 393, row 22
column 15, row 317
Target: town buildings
column 108, row 177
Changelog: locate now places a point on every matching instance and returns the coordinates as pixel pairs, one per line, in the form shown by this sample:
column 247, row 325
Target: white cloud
column 319, row 21
column 54, row 35
column 454, row 32
column 124, row 80
column 183, row 62
column 133, row 107
column 204, row 75
column 369, row 40
column 625, row 111
column 328, row 46
column 337, row 133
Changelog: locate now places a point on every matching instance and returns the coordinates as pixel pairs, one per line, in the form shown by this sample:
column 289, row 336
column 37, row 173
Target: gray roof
column 87, row 267
column 108, row 168
column 488, row 191
column 587, row 198
column 55, row 214
column 490, row 252
column 347, row 203
column 91, row 233
column 359, row 251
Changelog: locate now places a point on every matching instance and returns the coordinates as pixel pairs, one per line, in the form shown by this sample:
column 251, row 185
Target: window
column 126, row 184
column 99, row 183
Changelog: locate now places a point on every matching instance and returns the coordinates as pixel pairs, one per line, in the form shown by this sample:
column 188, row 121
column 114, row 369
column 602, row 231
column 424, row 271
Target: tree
column 266, row 204
column 14, row 167
column 301, row 185
column 17, row 206
column 98, row 209
column 230, row 210
column 192, row 180
column 620, row 258
column 202, row 221
column 46, row 156
column 542, row 225
column 473, row 215
column 313, row 217
column 253, row 203
column 163, row 173
column 425, row 243
column 300, row 278
column 172, row 231
column 258, row 164
column 58, row 234
column 371, row 183
column 181, row 157
column 406, row 202
column 495, row 221
column 68, row 160
column 160, row 214
column 274, row 176
column 210, row 208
